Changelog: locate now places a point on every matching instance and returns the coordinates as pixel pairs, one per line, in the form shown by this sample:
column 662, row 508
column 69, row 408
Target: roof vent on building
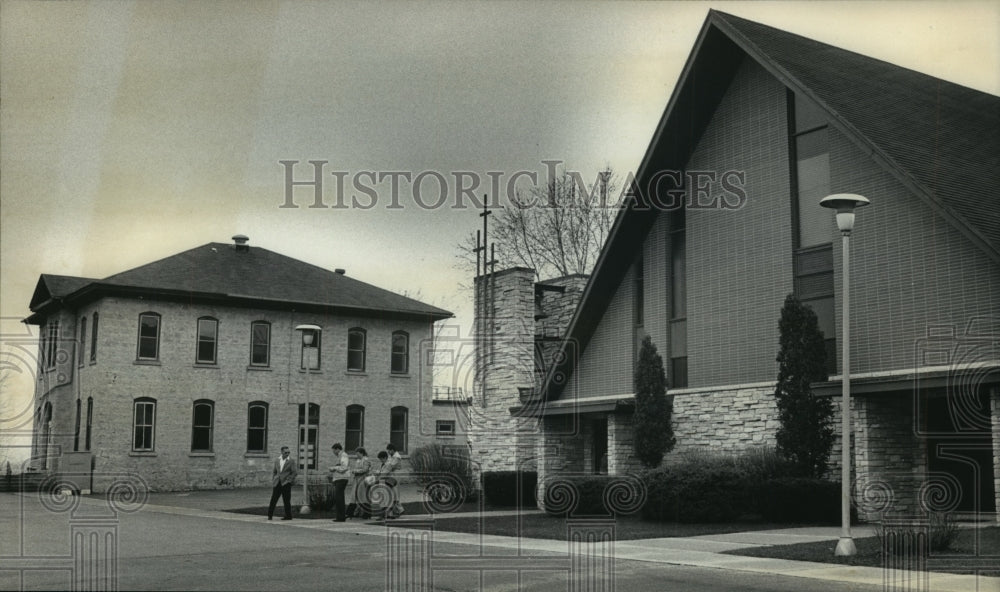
column 340, row 270
column 241, row 241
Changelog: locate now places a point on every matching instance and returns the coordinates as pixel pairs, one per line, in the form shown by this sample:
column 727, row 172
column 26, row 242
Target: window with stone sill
column 143, row 424
column 203, row 419
column 260, row 343
column 208, row 337
column 257, row 427
column 356, row 349
column 400, row 363
column 148, row 346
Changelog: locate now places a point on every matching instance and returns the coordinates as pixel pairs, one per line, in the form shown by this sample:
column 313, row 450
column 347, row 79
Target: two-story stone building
column 189, row 372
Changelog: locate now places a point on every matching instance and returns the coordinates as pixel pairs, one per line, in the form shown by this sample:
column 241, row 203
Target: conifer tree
column 652, row 429
column 805, row 435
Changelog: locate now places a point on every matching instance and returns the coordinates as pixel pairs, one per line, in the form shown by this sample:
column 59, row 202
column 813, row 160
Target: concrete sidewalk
column 232, row 499
column 698, row 551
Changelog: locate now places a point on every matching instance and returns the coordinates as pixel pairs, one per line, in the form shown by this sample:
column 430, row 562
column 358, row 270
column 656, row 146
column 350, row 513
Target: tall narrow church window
column 678, row 372
column 812, row 229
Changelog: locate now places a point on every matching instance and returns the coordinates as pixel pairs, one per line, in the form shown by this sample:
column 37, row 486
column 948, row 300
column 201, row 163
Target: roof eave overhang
column 97, row 290
column 609, row 268
column 540, row 408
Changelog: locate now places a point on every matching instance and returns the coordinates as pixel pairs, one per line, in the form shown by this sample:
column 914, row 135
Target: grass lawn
column 962, row 551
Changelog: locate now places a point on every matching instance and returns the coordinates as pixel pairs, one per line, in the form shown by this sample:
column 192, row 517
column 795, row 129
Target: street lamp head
column 844, row 203
column 308, row 333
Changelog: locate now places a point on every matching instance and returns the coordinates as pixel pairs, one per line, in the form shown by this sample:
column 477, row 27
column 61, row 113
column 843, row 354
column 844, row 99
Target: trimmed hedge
column 578, row 496
column 695, row 492
column 500, row 488
column 754, row 485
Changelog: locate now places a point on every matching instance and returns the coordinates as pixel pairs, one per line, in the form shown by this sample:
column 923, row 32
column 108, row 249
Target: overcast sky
column 130, row 131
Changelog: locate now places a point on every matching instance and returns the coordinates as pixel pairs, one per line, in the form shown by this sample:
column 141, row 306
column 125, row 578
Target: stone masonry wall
column 725, row 421
column 889, row 460
column 621, row 449
column 115, row 379
column 506, row 363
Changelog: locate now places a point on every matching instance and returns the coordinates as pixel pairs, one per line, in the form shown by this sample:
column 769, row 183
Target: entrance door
column 600, row 445
column 960, row 445
column 308, row 434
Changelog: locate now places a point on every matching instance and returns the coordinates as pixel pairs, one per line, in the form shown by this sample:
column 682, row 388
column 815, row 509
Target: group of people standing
column 365, row 474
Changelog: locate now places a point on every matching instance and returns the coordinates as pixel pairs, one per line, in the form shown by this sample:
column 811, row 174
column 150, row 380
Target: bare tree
column 557, row 229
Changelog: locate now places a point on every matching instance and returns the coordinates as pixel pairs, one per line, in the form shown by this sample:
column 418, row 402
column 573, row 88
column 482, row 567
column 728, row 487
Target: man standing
column 339, row 473
column 282, row 477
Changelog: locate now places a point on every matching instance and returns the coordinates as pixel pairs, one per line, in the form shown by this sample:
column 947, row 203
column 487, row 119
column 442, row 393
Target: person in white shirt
column 391, row 466
column 360, row 508
column 339, row 474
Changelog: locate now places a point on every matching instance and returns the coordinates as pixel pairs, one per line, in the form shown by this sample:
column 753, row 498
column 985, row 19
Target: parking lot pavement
column 704, row 551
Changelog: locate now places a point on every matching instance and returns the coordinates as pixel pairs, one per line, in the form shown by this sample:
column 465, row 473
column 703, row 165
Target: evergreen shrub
column 500, row 488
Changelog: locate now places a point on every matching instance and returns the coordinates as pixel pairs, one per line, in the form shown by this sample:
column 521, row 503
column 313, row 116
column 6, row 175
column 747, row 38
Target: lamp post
column 309, row 333
column 844, row 204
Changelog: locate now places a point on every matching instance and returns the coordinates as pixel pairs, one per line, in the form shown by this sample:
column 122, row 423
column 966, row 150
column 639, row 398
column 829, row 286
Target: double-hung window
column 398, row 420
column 203, row 419
column 148, row 347
column 400, row 363
column 260, row 343
column 208, row 338
column 356, row 350
column 311, row 351
column 355, row 423
column 257, row 427
column 143, row 424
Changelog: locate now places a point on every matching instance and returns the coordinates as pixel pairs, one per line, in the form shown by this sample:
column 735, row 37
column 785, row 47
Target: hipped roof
column 219, row 272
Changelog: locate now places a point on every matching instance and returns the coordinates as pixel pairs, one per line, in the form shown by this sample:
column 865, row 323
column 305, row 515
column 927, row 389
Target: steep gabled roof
column 250, row 276
column 941, row 140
